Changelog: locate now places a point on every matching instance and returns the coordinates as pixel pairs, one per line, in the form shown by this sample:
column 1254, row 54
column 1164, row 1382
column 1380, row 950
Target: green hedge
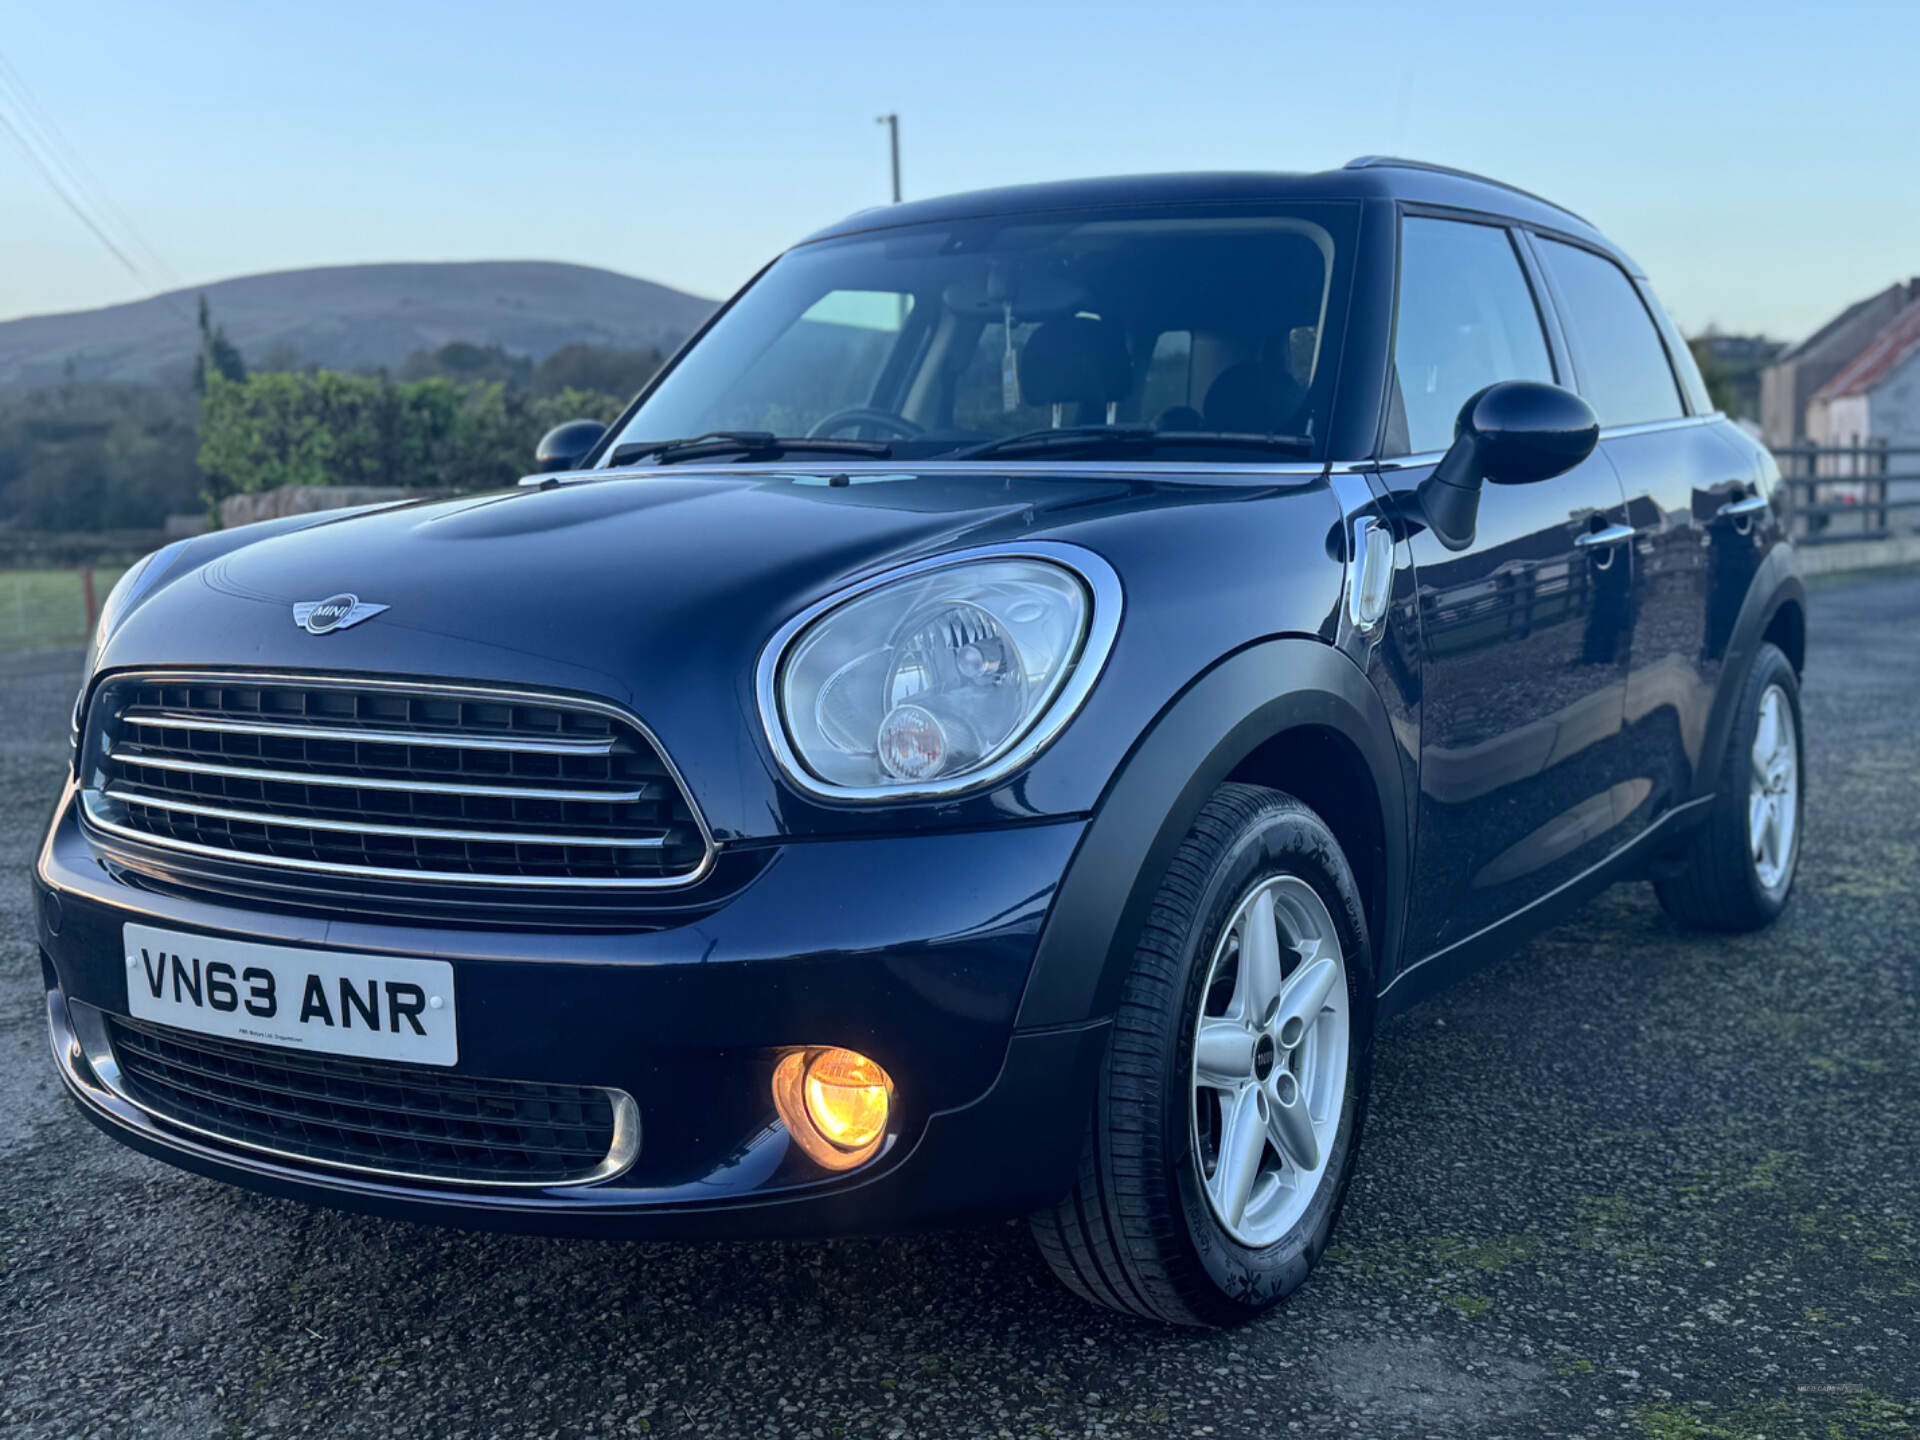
column 326, row 428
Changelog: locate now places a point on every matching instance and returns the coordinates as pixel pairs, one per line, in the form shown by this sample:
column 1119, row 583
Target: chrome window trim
column 91, row 1033
column 910, row 468
column 1106, row 601
column 1608, row 432
column 1238, row 470
column 1648, row 427
column 448, row 690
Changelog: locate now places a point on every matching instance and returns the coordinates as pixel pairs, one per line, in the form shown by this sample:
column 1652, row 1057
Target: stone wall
column 307, row 499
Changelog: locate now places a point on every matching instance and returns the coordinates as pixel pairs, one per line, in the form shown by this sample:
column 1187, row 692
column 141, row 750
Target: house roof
column 1822, row 337
column 1882, row 355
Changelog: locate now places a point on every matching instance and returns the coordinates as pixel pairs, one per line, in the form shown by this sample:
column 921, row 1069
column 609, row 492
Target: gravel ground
column 1627, row 1182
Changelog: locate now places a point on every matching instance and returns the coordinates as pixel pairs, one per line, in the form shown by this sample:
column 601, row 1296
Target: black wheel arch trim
column 1217, row 722
column 1776, row 583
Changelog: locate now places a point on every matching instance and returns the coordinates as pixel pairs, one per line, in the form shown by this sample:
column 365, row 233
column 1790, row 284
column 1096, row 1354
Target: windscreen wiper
column 1093, row 437
column 743, row 442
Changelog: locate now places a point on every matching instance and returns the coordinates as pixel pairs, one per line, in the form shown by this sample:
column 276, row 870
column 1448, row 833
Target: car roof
column 1370, row 177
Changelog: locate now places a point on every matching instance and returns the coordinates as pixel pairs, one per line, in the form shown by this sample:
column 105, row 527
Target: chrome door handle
column 1612, row 535
column 1733, row 509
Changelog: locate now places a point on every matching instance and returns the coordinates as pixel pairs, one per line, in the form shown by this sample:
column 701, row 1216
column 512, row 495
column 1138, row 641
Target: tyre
column 1228, row 1112
column 1738, row 868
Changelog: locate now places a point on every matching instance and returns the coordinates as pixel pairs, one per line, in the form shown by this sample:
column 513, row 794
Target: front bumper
column 913, row 949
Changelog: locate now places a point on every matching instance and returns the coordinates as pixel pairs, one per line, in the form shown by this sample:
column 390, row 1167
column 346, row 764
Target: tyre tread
column 1115, row 1237
column 1714, row 887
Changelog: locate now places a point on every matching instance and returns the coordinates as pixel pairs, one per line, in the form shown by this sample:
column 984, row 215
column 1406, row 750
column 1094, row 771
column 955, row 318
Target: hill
column 355, row 317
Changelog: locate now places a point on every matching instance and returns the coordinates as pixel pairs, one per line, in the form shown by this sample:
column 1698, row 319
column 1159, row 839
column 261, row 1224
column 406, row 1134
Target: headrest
column 1078, row 359
column 1254, row 398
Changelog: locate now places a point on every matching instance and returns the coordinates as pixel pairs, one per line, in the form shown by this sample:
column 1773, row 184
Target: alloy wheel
column 1773, row 802
column 1270, row 1060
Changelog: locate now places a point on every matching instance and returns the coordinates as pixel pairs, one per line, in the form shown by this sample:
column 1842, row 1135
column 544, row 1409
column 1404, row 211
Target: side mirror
column 1515, row 432
column 565, row 446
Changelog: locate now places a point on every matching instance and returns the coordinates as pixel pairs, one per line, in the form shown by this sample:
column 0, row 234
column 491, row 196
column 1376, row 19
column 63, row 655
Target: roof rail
column 1395, row 162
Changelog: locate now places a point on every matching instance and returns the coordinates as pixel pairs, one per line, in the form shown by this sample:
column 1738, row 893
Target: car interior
column 934, row 342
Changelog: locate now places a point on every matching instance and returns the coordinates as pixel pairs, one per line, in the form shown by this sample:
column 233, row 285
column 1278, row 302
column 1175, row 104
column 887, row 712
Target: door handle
column 1605, row 539
column 1734, row 509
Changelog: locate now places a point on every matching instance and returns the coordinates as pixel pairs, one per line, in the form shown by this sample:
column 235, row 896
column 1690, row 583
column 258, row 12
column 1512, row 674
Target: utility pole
column 892, row 122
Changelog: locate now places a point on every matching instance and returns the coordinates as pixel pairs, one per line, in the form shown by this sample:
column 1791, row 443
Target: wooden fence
column 46, row 607
column 1850, row 492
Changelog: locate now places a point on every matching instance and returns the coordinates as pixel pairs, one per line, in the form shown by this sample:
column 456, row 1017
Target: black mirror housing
column 1514, row 432
column 566, row 445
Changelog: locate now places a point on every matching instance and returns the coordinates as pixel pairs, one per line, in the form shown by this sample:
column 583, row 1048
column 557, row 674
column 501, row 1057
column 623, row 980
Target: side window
column 1624, row 371
column 1692, row 384
column 1466, row 319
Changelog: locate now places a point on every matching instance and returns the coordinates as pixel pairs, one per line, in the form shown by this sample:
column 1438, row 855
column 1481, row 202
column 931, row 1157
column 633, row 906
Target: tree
column 601, row 369
column 326, row 428
column 91, row 455
column 218, row 355
column 465, row 363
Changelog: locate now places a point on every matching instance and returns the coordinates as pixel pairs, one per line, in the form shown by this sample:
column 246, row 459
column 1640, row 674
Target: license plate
column 377, row 1007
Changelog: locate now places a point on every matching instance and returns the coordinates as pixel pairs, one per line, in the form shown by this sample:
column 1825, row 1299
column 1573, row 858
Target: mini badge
column 336, row 612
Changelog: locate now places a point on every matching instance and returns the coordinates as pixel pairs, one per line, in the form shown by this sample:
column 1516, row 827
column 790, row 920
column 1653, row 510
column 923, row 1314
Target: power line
column 53, row 142
column 49, row 152
column 79, row 211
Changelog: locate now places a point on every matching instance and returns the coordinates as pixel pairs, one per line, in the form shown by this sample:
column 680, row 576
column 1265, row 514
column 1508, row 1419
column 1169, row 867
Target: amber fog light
column 834, row 1102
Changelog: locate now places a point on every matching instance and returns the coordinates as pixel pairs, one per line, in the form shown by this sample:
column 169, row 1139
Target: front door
column 1523, row 635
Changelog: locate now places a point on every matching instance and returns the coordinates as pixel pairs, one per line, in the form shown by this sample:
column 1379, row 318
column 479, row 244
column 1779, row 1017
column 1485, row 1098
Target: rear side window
column 1466, row 319
column 1624, row 371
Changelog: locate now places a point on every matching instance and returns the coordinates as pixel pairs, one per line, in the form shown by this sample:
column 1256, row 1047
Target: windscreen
column 936, row 338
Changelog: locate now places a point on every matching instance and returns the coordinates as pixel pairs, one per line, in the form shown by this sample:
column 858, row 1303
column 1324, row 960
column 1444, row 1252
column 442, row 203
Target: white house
column 1874, row 397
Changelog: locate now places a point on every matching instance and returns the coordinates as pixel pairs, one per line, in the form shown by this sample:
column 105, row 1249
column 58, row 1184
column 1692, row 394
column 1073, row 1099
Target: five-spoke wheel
column 1773, row 805
column 1269, row 1059
column 1228, row 1112
column 1737, row 869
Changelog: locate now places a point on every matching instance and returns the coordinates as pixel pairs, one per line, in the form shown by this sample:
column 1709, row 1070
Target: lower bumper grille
column 404, row 1121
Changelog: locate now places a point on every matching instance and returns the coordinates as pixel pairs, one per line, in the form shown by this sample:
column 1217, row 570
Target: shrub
column 326, row 428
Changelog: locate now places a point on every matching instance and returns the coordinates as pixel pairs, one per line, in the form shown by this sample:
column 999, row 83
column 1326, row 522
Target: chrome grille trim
column 368, row 827
column 107, row 790
column 370, row 782
column 424, row 738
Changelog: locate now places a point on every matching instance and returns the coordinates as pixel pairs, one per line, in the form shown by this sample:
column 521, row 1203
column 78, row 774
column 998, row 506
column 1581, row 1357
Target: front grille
column 382, row 779
column 409, row 1121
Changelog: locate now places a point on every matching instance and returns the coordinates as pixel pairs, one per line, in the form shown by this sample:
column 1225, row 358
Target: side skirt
column 1437, row 971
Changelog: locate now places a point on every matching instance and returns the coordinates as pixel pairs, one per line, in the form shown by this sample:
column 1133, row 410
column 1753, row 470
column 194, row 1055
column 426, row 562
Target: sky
column 1757, row 159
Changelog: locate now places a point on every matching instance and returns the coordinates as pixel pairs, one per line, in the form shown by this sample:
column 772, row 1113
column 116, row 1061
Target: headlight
column 941, row 676
column 116, row 602
column 133, row 583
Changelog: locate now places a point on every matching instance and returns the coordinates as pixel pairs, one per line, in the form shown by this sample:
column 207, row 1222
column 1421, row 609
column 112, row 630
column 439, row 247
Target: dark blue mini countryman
column 992, row 730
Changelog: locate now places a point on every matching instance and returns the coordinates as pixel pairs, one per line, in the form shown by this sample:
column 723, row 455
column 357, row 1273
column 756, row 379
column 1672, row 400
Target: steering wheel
column 901, row 427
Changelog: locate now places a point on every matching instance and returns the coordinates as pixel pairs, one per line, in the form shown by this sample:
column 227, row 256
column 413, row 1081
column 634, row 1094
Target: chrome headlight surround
column 1100, row 627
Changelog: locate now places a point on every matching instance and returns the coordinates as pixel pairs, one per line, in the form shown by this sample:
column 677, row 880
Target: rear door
column 1678, row 474
column 1523, row 635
